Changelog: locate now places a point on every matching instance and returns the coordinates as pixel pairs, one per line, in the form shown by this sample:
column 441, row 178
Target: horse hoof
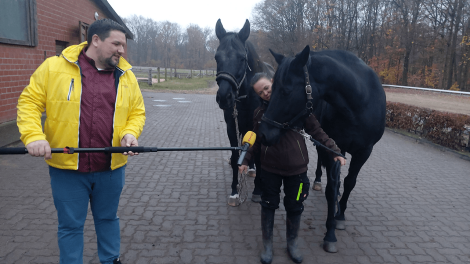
column 316, row 186
column 233, row 200
column 252, row 173
column 256, row 198
column 340, row 224
column 329, row 247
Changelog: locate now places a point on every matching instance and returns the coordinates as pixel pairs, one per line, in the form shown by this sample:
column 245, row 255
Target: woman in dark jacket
column 283, row 163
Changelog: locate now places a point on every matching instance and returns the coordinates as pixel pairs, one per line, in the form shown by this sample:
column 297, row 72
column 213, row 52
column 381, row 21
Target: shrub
column 446, row 129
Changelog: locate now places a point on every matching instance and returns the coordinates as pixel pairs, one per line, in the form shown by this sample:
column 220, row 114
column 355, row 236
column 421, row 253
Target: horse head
column 288, row 99
column 232, row 64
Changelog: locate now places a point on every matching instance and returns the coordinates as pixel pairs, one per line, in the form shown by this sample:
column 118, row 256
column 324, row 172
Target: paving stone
column 408, row 205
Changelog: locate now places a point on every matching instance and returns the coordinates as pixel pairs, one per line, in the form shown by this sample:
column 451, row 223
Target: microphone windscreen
column 250, row 138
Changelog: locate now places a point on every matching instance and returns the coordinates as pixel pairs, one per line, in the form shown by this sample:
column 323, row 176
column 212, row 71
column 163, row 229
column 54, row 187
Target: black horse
column 349, row 102
column 237, row 62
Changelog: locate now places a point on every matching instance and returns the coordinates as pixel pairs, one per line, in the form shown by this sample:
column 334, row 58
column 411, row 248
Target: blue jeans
column 72, row 191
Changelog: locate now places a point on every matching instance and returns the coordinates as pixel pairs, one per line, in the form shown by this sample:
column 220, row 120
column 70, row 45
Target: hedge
column 445, row 129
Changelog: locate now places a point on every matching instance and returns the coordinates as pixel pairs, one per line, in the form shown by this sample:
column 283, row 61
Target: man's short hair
column 102, row 28
column 257, row 77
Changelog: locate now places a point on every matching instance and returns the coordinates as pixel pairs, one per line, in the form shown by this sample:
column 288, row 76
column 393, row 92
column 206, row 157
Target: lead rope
column 335, row 170
column 241, row 187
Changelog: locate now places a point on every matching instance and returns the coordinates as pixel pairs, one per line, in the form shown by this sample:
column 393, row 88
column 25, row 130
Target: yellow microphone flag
column 250, row 138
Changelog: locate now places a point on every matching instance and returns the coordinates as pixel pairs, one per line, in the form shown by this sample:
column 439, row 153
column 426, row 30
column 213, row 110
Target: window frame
column 32, row 27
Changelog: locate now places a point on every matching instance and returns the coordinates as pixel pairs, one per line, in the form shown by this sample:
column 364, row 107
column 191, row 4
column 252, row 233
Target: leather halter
column 307, row 111
column 231, row 79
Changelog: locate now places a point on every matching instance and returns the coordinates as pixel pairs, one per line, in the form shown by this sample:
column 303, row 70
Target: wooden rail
column 427, row 89
column 170, row 72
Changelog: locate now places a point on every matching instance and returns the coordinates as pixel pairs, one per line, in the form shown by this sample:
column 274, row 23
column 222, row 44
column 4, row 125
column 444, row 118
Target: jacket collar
column 71, row 54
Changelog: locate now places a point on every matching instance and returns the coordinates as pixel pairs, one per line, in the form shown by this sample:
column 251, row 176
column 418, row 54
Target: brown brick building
column 33, row 30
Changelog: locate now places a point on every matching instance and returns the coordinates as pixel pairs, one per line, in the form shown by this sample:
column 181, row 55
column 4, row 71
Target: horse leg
column 256, row 195
column 251, row 168
column 357, row 161
column 329, row 241
column 318, row 173
column 232, row 136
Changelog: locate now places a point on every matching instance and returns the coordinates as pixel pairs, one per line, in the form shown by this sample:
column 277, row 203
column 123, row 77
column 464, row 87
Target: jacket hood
column 71, row 54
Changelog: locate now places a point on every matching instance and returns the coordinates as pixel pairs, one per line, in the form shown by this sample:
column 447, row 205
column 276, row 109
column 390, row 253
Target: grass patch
column 180, row 84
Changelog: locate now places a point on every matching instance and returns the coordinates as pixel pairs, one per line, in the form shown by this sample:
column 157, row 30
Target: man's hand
column 242, row 168
column 40, row 148
column 129, row 141
column 341, row 159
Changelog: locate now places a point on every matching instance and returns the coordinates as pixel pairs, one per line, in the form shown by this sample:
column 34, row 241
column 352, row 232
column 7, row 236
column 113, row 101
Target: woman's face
column 263, row 88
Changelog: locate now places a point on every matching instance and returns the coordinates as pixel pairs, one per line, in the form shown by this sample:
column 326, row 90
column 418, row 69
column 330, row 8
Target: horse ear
column 244, row 32
column 278, row 57
column 219, row 30
column 302, row 57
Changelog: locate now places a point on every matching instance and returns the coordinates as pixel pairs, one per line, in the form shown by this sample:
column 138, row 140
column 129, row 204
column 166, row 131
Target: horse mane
column 253, row 58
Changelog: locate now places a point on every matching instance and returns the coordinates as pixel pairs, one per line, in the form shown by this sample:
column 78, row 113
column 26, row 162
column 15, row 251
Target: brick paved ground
column 410, row 204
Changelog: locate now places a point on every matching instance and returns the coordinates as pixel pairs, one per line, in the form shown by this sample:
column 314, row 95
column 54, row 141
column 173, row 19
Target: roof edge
column 107, row 7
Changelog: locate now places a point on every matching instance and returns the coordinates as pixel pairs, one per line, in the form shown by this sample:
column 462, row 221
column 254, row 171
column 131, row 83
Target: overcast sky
column 184, row 12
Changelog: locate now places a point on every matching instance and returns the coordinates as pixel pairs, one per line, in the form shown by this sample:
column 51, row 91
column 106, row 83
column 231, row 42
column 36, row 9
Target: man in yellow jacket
column 92, row 100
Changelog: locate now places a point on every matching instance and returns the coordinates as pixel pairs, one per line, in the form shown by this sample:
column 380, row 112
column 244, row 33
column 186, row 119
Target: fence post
column 149, row 81
column 158, row 75
column 165, row 74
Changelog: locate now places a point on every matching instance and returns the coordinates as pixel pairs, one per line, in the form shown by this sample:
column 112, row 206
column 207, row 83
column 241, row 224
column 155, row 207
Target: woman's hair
column 257, row 77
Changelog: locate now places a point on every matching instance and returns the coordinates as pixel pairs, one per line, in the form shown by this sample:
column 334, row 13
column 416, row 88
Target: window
column 60, row 46
column 83, row 31
column 18, row 22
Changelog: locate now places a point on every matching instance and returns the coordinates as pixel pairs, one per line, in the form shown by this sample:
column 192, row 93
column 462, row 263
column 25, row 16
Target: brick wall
column 57, row 20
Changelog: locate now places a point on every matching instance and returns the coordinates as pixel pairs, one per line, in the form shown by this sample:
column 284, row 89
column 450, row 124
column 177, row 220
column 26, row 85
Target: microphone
column 247, row 142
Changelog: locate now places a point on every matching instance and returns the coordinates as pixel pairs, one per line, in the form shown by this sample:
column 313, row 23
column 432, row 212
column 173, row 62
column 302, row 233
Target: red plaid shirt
column 96, row 114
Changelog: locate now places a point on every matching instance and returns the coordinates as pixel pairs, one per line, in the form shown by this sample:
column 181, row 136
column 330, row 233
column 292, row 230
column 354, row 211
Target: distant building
column 33, row 30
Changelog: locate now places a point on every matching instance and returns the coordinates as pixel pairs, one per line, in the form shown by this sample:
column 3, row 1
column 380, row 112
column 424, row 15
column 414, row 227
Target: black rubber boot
column 267, row 224
column 292, row 230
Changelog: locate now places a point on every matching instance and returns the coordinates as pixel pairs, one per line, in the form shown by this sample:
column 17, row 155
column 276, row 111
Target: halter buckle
column 308, row 89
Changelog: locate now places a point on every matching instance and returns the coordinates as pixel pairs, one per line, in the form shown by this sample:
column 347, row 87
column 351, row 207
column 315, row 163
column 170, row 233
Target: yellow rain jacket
column 51, row 89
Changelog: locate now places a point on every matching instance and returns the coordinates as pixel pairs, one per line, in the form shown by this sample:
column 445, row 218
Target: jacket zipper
column 266, row 151
column 300, row 150
column 70, row 89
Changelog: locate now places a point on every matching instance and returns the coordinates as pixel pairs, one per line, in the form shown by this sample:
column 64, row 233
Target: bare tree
column 168, row 40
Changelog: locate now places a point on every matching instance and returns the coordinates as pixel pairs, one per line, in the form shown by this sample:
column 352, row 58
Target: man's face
column 263, row 88
column 111, row 49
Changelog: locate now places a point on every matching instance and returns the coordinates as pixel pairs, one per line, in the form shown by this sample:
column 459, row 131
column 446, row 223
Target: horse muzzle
column 269, row 135
column 225, row 97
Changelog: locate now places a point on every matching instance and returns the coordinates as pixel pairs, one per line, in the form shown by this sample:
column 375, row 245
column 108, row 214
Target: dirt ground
column 452, row 103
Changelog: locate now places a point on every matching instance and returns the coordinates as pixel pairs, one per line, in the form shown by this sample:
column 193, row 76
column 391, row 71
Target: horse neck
column 254, row 61
column 347, row 99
